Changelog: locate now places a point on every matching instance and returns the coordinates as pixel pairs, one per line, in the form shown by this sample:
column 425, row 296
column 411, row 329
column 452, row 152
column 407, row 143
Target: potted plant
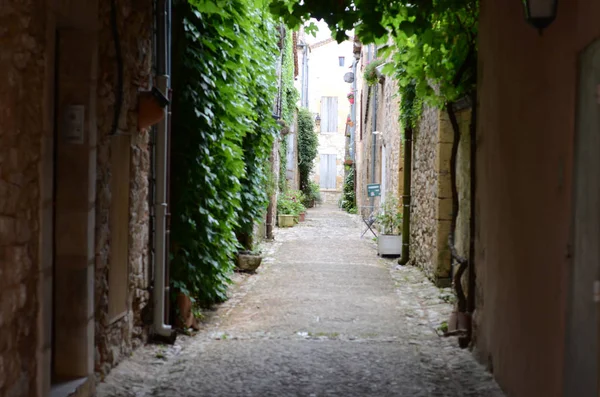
column 350, row 97
column 389, row 219
column 297, row 198
column 285, row 212
column 348, row 161
column 315, row 193
column 349, row 122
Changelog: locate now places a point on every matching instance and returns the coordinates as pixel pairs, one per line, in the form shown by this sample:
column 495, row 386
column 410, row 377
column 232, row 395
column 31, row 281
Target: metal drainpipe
column 374, row 128
column 374, row 125
column 353, row 113
column 406, row 195
column 305, row 75
column 160, row 199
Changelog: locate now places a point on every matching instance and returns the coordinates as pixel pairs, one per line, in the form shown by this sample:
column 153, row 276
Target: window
column 342, row 60
column 327, row 174
column 329, row 114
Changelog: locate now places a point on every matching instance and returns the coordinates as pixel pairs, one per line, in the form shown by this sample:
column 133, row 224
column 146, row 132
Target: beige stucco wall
column 526, row 128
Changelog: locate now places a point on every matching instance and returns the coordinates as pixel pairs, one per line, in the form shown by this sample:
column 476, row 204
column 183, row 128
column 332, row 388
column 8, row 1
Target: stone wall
column 431, row 211
column 364, row 147
column 388, row 124
column 117, row 339
column 424, row 192
column 22, row 72
column 463, row 183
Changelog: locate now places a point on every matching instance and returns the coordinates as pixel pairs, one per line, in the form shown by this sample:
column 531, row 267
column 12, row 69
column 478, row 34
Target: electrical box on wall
column 74, row 124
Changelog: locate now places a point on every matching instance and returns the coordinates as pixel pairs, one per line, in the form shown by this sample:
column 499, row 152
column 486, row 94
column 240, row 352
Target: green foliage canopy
column 433, row 41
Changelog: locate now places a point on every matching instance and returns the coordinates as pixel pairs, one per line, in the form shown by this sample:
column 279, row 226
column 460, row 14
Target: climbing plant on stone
column 289, row 97
column 225, row 80
column 308, row 143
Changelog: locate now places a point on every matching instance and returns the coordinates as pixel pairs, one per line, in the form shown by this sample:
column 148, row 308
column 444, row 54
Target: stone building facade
column 387, row 158
column 74, row 212
column 22, row 67
column 431, row 191
column 327, row 63
column 122, row 175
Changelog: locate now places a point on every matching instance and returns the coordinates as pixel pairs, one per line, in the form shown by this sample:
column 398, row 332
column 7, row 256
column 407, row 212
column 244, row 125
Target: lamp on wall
column 540, row 13
column 317, row 120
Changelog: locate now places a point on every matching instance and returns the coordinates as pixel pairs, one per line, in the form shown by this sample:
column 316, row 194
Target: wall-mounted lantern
column 540, row 13
column 317, row 120
column 151, row 107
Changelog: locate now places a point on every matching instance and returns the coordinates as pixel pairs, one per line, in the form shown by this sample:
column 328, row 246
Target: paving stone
column 323, row 316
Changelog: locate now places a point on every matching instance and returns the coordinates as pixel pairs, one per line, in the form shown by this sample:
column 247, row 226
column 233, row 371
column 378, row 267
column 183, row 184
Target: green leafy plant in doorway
column 349, row 192
column 308, row 143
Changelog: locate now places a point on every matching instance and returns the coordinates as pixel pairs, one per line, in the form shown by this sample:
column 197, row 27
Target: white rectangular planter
column 389, row 245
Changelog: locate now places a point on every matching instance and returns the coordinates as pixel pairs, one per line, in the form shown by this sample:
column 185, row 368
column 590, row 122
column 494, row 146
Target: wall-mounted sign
column 374, row 189
column 74, row 124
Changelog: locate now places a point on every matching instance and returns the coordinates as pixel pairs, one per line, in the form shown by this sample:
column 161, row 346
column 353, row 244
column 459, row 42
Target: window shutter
column 323, row 167
column 329, row 114
column 332, row 172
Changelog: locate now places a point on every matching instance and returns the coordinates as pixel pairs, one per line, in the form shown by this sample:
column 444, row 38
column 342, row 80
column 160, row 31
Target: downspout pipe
column 160, row 204
column 353, row 113
column 374, row 128
column 406, row 195
column 304, row 90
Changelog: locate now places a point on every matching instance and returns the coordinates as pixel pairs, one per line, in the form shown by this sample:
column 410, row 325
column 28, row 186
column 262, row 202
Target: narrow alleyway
column 324, row 316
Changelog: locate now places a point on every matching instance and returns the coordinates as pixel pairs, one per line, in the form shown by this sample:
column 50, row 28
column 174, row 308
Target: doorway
column 581, row 348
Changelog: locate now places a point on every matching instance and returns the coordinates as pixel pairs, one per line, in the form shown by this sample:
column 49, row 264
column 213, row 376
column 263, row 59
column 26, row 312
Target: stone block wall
column 116, row 339
column 388, row 123
column 22, row 73
column 431, row 211
column 364, row 146
column 424, row 192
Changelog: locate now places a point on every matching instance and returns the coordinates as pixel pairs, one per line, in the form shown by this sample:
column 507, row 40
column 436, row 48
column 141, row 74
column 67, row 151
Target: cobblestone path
column 324, row 316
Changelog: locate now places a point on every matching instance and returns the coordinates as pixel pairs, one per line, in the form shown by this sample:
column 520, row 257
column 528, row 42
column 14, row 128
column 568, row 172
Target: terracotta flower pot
column 351, row 100
column 302, row 216
column 151, row 107
column 186, row 317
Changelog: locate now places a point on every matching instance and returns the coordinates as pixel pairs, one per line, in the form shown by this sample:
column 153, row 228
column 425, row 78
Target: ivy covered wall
column 223, row 131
